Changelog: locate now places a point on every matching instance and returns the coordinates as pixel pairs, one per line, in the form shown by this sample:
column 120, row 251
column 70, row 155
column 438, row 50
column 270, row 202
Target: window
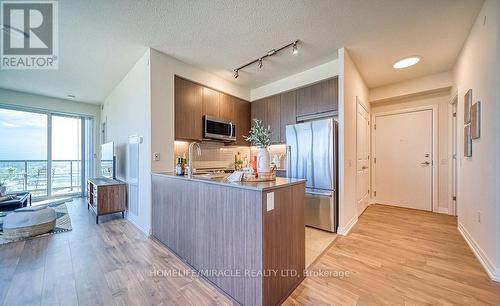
column 46, row 166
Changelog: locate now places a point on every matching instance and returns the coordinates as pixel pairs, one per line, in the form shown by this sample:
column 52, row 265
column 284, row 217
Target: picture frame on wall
column 467, row 141
column 475, row 120
column 467, row 106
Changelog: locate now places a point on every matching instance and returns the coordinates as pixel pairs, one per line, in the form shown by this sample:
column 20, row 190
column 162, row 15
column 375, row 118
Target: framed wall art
column 467, row 105
column 467, row 141
column 475, row 120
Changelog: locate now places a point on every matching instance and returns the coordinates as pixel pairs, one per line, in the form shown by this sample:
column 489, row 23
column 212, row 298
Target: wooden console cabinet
column 106, row 196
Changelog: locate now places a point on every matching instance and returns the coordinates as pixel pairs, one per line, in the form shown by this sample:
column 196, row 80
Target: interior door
column 403, row 159
column 362, row 158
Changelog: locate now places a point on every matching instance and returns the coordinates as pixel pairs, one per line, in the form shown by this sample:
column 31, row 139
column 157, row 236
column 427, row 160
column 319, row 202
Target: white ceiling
column 100, row 40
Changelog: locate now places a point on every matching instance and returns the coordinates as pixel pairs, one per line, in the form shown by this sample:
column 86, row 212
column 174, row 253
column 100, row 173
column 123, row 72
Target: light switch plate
column 270, row 201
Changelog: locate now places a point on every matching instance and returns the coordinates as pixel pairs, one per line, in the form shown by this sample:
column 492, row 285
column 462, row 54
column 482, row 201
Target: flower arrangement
column 259, row 135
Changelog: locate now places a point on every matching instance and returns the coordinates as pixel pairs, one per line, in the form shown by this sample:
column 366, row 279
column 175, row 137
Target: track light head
column 260, row 63
column 295, row 50
column 236, row 74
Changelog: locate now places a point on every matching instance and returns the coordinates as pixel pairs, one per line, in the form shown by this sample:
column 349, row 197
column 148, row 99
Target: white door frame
column 359, row 104
column 435, row 158
column 453, row 150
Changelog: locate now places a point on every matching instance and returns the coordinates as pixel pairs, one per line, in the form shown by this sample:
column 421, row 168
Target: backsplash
column 213, row 154
column 216, row 155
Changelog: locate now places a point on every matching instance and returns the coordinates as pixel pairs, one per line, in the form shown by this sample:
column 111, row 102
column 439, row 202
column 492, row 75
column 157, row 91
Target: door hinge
column 368, row 157
column 368, row 122
column 374, row 160
column 375, row 193
column 368, row 191
column 454, row 114
column 375, row 126
column 454, row 198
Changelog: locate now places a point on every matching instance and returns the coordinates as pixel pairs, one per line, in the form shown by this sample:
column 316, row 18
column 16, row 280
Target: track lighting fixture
column 271, row 52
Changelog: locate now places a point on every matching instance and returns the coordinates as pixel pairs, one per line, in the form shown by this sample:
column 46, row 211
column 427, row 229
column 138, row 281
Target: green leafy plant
column 259, row 136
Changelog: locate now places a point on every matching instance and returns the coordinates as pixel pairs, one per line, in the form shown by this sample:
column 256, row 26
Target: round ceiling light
column 406, row 62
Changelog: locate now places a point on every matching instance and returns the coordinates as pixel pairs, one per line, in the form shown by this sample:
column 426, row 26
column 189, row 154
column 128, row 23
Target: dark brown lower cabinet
column 226, row 228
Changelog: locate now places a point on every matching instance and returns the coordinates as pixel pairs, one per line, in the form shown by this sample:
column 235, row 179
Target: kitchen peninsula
column 246, row 238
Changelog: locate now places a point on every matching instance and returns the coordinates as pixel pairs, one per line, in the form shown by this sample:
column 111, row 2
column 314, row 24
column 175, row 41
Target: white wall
column 37, row 102
column 163, row 70
column 127, row 111
column 313, row 75
column 351, row 88
column 424, row 85
column 441, row 99
column 478, row 193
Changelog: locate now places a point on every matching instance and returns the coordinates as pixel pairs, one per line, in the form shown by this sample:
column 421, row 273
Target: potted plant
column 3, row 188
column 260, row 136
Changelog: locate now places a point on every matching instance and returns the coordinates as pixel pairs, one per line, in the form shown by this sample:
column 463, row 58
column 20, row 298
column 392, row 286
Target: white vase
column 263, row 161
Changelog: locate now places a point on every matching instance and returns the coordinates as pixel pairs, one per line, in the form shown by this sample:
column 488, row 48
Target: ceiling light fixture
column 406, row 62
column 269, row 53
column 295, row 50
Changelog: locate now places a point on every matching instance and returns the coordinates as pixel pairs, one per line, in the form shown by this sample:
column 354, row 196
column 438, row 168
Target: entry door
column 403, row 159
column 362, row 158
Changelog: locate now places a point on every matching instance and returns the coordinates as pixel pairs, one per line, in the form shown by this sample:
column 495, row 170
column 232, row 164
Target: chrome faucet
column 190, row 157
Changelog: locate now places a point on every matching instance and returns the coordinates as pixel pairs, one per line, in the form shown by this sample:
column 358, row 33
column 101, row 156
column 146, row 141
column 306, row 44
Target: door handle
column 364, row 167
column 425, row 163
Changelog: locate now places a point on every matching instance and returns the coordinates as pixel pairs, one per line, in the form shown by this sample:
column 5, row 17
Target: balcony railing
column 32, row 176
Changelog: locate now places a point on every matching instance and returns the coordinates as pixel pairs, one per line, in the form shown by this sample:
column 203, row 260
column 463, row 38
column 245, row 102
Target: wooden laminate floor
column 392, row 256
column 112, row 263
column 397, row 256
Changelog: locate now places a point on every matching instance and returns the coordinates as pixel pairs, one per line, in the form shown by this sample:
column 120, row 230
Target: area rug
column 63, row 222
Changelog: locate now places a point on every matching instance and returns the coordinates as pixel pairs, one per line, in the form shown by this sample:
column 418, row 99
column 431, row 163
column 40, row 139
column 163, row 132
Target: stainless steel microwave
column 218, row 129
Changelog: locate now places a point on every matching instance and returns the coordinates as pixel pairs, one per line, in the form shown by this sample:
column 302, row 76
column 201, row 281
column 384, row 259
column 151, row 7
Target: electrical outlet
column 270, row 201
column 156, row 156
column 478, row 217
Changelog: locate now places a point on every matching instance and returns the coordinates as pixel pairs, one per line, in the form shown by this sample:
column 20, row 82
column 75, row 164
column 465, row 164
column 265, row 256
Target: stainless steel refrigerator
column 312, row 154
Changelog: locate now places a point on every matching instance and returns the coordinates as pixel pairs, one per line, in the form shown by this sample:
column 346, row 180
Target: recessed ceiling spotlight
column 406, row 62
column 236, row 74
column 71, row 96
column 260, row 63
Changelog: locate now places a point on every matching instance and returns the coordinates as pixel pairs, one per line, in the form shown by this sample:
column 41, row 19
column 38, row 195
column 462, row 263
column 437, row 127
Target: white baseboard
column 138, row 226
column 443, row 210
column 493, row 272
column 346, row 229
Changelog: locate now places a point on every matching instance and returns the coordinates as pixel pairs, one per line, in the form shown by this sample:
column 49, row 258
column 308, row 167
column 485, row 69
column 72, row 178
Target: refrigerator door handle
column 288, row 161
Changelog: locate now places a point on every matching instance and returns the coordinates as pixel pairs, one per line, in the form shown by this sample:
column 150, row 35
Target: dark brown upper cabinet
column 288, row 112
column 242, row 120
column 192, row 101
column 188, row 110
column 274, row 117
column 227, row 107
column 318, row 98
column 269, row 111
column 210, row 102
column 259, row 110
